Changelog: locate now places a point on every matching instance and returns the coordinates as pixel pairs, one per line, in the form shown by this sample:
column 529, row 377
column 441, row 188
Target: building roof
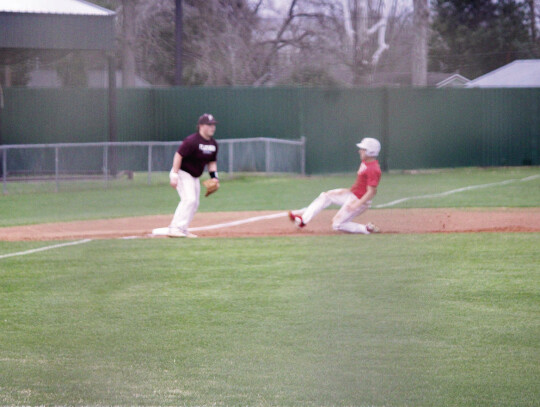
column 433, row 79
column 58, row 24
column 453, row 81
column 73, row 7
column 522, row 73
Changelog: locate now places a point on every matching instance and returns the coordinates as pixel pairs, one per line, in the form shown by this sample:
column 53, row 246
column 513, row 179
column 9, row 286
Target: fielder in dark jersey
column 197, row 151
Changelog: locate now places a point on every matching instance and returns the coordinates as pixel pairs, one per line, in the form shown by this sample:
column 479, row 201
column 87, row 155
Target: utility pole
column 178, row 46
column 128, row 47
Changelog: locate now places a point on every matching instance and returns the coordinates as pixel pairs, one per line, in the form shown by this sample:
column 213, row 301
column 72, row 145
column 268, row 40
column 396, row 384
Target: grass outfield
column 29, row 203
column 341, row 320
column 389, row 320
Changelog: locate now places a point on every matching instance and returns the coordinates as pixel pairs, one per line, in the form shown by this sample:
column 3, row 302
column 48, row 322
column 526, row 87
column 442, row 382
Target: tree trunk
column 360, row 14
column 128, row 51
column 419, row 51
column 533, row 20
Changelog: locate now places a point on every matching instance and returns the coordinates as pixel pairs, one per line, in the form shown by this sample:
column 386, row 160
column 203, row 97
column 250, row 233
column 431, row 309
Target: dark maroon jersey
column 196, row 152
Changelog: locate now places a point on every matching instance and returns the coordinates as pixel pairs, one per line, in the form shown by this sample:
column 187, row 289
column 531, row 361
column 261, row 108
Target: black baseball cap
column 207, row 118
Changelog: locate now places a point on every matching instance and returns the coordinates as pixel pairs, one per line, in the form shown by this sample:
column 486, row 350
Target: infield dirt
column 389, row 220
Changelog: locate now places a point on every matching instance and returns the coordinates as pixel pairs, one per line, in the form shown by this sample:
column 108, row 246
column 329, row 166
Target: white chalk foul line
column 45, row 248
column 455, row 191
column 239, row 222
column 164, row 231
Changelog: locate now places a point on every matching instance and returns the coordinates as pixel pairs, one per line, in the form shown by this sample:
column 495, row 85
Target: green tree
column 217, row 48
column 311, row 76
column 473, row 37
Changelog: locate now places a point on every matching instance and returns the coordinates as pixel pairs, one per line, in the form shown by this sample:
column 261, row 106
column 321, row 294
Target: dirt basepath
column 389, row 220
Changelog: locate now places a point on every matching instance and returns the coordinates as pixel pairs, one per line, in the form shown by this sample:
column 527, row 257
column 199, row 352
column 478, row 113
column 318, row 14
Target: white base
column 160, row 231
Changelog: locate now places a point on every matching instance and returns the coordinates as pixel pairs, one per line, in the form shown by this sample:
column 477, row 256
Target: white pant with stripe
column 342, row 220
column 189, row 189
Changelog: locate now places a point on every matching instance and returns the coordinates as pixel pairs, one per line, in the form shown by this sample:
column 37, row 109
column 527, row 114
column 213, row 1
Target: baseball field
column 440, row 309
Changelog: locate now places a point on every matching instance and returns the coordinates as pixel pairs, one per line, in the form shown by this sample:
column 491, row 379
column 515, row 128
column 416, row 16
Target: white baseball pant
column 189, row 189
column 342, row 220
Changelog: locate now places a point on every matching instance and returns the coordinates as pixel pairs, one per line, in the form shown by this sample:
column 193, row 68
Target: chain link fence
column 107, row 160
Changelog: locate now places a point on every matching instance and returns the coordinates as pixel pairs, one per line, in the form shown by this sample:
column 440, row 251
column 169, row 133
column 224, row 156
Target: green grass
column 342, row 320
column 513, row 194
column 90, row 200
column 389, row 320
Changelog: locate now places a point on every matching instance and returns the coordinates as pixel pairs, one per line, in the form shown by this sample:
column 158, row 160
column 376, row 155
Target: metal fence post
column 56, row 166
column 4, row 170
column 106, row 164
column 149, row 164
column 231, row 158
column 303, row 155
column 267, row 155
column 385, row 126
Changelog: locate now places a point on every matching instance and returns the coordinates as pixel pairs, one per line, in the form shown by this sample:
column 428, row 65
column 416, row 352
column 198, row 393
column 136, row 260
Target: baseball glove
column 211, row 185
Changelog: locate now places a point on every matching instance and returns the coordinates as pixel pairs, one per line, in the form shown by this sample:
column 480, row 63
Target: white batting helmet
column 371, row 145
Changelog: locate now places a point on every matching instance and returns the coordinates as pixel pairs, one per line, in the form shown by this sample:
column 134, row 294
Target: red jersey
column 369, row 174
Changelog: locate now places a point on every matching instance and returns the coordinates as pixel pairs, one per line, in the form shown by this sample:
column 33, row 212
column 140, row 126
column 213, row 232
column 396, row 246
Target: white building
column 522, row 73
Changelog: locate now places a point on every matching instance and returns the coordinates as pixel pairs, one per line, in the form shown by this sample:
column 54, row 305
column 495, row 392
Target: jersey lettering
column 207, row 148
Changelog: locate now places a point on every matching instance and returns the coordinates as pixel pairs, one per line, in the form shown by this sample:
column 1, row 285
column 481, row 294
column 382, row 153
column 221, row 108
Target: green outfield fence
column 418, row 128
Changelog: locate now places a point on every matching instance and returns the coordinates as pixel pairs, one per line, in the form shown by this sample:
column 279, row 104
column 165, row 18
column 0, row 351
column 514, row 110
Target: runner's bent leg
column 342, row 219
column 324, row 200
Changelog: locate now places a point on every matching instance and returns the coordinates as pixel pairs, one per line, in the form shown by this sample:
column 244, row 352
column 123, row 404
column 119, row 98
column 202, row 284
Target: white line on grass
column 529, row 178
column 239, row 222
column 165, row 231
column 454, row 191
column 45, row 248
